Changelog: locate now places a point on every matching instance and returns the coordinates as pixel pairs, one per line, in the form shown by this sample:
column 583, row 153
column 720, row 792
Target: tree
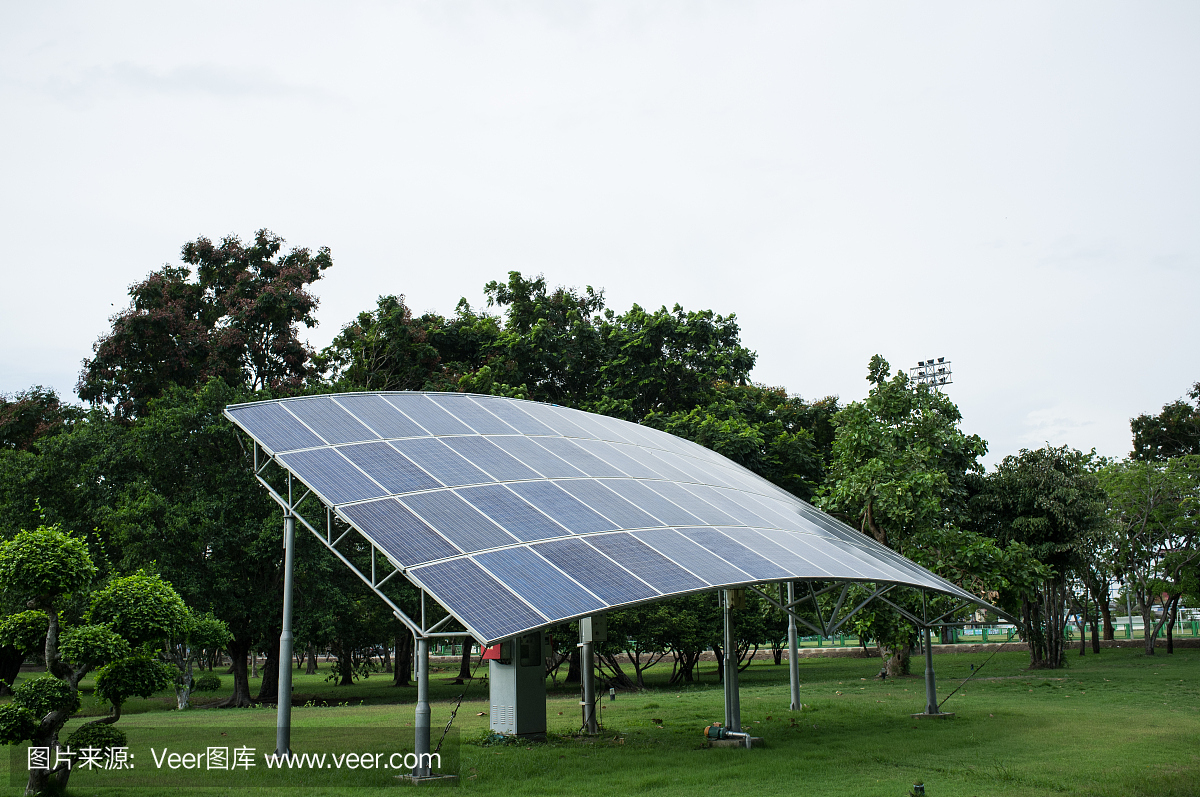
column 781, row 438
column 48, row 570
column 1155, row 508
column 1050, row 500
column 31, row 414
column 900, row 470
column 1174, row 432
column 237, row 321
column 383, row 350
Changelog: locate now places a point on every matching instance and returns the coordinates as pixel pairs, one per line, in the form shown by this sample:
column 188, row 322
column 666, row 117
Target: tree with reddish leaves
column 237, row 321
column 31, row 414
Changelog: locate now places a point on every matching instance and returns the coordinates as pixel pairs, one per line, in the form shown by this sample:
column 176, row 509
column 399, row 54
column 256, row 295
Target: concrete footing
column 924, row 716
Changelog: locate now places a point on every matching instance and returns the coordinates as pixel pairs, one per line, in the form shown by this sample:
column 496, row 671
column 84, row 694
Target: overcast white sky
column 1013, row 186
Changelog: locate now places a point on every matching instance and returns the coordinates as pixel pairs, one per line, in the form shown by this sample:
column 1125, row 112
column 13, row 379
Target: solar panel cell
column 721, row 499
column 473, row 415
column 613, row 454
column 640, row 494
column 536, row 457
column 389, row 467
column 736, row 554
column 487, row 456
column 700, row 561
column 511, row 512
column 327, row 472
column 540, row 583
column 645, row 562
column 375, row 412
column 568, row 450
column 512, row 413
column 609, row 504
column 614, row 584
column 562, row 507
column 399, row 532
column 457, row 521
column 706, row 512
column 469, row 592
column 432, row 418
column 329, row 420
column 434, row 457
column 274, row 427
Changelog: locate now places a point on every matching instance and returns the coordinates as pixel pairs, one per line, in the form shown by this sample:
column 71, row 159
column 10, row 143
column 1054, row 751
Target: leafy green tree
column 1049, row 500
column 237, row 321
column 48, row 569
column 781, row 438
column 1174, row 432
column 901, row 470
column 1155, row 509
column 32, row 414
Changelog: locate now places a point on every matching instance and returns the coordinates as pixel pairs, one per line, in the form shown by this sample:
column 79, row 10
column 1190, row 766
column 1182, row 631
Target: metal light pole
column 283, row 717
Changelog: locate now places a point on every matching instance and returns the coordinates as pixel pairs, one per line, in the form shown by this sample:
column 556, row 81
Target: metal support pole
column 587, row 677
column 931, row 704
column 283, row 717
column 733, row 708
column 793, row 650
column 421, row 740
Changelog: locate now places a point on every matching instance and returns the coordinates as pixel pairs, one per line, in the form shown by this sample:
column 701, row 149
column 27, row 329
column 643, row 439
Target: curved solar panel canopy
column 516, row 515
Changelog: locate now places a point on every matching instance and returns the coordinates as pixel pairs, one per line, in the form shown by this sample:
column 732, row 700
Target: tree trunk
column 573, row 669
column 268, row 691
column 345, row 666
column 239, row 650
column 1083, row 625
column 403, row 670
column 1148, row 627
column 10, row 667
column 897, row 661
column 1171, row 624
column 387, row 659
column 464, row 664
column 311, row 655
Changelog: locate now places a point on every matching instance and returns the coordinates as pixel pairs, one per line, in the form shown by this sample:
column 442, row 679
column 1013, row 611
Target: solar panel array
column 516, row 515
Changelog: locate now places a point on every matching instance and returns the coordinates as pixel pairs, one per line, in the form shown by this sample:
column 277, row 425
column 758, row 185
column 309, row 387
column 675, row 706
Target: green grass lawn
column 1119, row 723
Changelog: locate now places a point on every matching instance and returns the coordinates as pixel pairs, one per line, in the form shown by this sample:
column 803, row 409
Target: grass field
column 1119, row 723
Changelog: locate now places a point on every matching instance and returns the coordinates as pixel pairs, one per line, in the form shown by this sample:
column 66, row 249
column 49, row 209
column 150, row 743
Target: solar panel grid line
column 611, row 453
column 449, row 467
column 664, row 509
column 718, row 498
column 331, row 420
column 589, row 561
column 484, row 630
column 540, row 586
column 565, row 508
column 579, row 457
column 421, row 410
column 470, row 413
column 536, row 457
column 351, row 484
column 673, row 545
column 591, row 493
column 693, row 504
column 511, row 512
column 377, row 415
column 637, row 557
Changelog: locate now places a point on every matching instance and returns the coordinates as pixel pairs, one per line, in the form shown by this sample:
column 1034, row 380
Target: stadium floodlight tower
column 931, row 373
